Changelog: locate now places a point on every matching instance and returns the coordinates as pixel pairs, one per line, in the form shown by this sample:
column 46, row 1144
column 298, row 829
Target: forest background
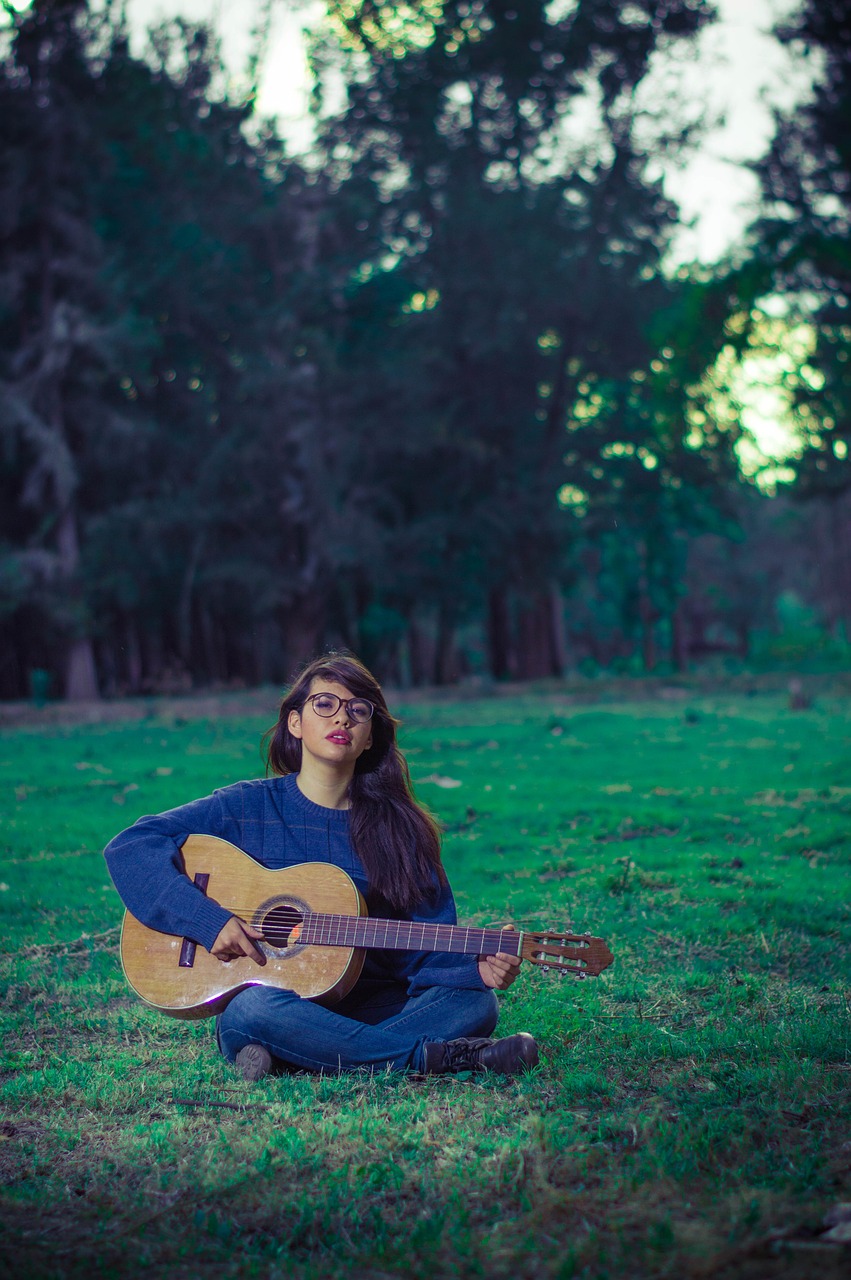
column 433, row 390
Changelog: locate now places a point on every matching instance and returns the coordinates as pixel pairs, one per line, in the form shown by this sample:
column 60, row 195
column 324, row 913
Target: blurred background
column 495, row 339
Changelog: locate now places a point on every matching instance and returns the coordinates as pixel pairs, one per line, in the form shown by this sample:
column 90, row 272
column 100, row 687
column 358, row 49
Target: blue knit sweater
column 275, row 824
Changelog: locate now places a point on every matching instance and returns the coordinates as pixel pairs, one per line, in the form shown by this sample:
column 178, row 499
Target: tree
column 800, row 250
column 62, row 326
column 530, row 268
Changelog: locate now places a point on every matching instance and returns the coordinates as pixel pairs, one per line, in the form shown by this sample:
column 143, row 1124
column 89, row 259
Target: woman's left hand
column 499, row 971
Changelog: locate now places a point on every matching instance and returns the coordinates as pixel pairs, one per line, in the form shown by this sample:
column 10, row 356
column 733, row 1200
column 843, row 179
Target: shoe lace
column 462, row 1054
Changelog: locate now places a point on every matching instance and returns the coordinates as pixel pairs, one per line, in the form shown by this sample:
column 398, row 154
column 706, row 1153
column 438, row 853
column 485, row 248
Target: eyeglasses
column 328, row 704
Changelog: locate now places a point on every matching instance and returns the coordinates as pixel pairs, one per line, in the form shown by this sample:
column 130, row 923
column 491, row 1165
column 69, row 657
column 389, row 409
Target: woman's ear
column 294, row 723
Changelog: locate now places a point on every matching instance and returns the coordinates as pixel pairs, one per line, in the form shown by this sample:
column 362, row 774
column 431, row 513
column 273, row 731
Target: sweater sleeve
column 146, row 868
column 423, row 969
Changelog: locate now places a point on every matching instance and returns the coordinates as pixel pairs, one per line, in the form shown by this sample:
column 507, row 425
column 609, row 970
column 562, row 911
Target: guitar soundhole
column 281, row 926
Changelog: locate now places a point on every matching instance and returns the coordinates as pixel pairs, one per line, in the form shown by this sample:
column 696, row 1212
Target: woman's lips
column 339, row 736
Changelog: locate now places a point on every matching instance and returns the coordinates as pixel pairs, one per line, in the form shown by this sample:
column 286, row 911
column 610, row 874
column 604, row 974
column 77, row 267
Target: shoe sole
column 253, row 1063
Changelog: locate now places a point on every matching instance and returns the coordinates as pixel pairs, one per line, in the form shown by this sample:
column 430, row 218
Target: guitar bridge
column 188, row 947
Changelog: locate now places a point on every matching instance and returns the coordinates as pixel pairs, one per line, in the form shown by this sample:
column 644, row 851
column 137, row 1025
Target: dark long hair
column 396, row 839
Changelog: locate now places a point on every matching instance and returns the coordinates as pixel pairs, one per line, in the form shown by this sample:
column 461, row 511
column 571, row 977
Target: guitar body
column 184, row 980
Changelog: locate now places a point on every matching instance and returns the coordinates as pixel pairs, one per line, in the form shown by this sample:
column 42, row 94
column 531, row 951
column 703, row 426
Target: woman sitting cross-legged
column 340, row 794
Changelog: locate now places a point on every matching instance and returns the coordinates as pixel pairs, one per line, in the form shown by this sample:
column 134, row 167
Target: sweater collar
column 337, row 817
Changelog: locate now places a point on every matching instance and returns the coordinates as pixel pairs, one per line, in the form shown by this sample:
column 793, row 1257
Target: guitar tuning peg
column 545, row 968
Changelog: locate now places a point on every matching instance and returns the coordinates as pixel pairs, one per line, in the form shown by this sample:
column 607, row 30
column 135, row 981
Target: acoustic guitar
column 315, row 932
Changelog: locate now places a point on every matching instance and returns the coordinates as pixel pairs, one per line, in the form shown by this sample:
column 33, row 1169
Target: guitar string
column 336, row 930
column 554, row 936
column 248, row 909
column 550, row 935
column 335, row 925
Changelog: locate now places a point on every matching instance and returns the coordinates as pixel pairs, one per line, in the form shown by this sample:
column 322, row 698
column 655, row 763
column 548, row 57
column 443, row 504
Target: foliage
column 801, row 239
column 690, row 1116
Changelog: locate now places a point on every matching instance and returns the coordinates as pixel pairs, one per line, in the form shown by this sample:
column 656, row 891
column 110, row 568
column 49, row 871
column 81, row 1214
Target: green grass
column 691, row 1114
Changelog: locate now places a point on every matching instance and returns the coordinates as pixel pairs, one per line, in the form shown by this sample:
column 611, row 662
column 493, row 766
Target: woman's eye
column 323, row 704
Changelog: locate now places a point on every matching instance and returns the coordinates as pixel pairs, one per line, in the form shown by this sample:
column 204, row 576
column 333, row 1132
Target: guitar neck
column 406, row 935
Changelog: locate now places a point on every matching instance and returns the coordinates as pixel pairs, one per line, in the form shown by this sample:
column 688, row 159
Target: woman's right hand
column 235, row 941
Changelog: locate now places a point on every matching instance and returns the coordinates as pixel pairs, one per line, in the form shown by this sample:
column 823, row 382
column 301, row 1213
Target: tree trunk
column 81, row 684
column 266, row 650
column 500, row 654
column 418, row 652
column 680, row 637
column 541, row 636
column 743, row 634
column 842, row 559
column 184, row 604
column 133, row 656
column 304, row 624
column 80, row 677
column 646, row 612
column 445, row 668
column 529, row 647
column 558, row 634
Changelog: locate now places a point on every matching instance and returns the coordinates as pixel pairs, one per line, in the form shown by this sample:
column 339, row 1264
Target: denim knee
column 467, row 1013
column 487, row 1009
column 246, row 1015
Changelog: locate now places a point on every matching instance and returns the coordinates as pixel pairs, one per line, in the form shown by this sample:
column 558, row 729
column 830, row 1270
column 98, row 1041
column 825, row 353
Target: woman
column 340, row 793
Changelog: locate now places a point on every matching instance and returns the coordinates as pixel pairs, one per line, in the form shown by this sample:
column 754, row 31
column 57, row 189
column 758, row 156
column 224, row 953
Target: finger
column 235, row 947
column 249, row 949
column 242, row 945
column 245, row 948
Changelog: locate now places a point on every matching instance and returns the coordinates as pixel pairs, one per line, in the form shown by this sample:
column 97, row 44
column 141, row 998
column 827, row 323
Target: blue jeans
column 377, row 1025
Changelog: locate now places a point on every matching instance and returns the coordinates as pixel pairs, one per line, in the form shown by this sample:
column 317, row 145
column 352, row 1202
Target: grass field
column 691, row 1114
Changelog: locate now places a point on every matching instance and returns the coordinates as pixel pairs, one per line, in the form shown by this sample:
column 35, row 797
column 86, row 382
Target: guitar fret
column 404, row 935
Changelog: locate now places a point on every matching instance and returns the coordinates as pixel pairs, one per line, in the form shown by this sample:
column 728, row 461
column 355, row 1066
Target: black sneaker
column 253, row 1062
column 508, row 1057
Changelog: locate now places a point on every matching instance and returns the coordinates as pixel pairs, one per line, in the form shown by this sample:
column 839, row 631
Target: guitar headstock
column 576, row 953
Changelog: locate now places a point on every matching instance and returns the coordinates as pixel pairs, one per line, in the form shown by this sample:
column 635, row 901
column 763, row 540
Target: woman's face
column 335, row 739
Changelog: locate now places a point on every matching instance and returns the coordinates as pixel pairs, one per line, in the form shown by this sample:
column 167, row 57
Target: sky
column 742, row 69
column 738, row 70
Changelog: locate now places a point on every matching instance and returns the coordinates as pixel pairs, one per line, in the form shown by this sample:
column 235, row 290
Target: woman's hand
column 235, row 941
column 499, row 971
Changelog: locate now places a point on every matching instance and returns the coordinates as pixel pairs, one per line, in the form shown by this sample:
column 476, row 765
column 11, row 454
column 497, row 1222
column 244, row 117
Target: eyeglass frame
column 341, row 702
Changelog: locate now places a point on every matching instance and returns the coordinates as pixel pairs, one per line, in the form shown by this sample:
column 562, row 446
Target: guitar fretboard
column 406, row 935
